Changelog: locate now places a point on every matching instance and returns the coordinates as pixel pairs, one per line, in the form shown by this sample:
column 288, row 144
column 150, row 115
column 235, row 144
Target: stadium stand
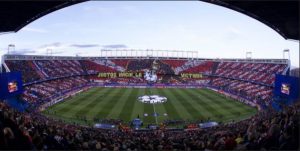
column 246, row 89
column 257, row 72
column 174, row 63
column 195, row 66
column 121, row 62
column 40, row 93
column 252, row 80
column 53, row 78
column 59, row 68
column 27, row 68
column 94, row 66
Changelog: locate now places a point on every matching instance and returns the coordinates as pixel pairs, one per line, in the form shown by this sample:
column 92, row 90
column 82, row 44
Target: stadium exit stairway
column 213, row 70
column 214, row 67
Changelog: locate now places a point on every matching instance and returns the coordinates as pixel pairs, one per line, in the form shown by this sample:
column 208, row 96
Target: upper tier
column 39, row 68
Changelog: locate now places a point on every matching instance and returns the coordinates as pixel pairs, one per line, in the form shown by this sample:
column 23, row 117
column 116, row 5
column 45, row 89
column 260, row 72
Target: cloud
column 84, row 45
column 53, row 45
column 36, row 30
column 115, row 46
column 56, row 47
column 22, row 51
column 57, row 52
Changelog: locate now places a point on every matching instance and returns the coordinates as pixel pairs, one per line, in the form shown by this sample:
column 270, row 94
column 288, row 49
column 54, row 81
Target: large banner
column 119, row 74
column 286, row 89
column 10, row 84
column 140, row 75
column 191, row 75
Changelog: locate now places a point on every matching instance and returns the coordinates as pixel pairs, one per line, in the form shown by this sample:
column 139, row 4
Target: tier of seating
column 36, row 70
column 174, row 63
column 59, row 68
column 45, row 69
column 26, row 67
column 92, row 67
column 196, row 67
column 246, row 89
column 121, row 62
column 43, row 92
column 139, row 64
column 258, row 72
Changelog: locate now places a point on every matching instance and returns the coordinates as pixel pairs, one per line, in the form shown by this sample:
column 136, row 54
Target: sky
column 86, row 28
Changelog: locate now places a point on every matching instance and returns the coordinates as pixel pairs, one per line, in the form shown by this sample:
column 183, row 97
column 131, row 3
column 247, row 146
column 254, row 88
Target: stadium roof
column 282, row 16
column 14, row 15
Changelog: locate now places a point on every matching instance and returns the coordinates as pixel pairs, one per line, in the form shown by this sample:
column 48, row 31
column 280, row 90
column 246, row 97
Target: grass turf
column 121, row 103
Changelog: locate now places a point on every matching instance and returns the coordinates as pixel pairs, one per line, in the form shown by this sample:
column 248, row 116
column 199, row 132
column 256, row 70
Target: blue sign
column 286, row 89
column 10, row 84
column 208, row 124
column 104, row 126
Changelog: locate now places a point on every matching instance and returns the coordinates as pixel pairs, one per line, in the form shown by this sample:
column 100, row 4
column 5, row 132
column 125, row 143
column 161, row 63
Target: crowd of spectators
column 139, row 64
column 92, row 67
column 121, row 62
column 174, row 63
column 268, row 130
column 59, row 68
column 204, row 67
column 246, row 89
column 39, row 70
column 195, row 66
column 257, row 72
column 167, row 70
column 43, row 92
column 252, row 81
column 26, row 67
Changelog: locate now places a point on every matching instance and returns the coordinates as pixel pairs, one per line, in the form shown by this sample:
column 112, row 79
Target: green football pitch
column 122, row 103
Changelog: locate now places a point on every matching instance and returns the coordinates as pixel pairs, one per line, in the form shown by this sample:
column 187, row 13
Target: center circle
column 152, row 99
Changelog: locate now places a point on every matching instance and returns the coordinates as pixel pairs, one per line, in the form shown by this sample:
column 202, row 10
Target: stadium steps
column 214, row 69
column 40, row 72
column 5, row 67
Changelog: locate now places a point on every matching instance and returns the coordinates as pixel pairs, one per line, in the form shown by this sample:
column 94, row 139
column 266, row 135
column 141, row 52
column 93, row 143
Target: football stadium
column 133, row 99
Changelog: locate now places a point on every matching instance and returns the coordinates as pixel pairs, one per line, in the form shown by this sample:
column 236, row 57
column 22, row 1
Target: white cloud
column 54, row 47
